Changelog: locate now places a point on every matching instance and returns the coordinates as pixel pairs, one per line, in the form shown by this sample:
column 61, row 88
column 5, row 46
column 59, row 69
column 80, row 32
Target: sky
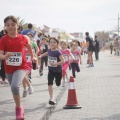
column 68, row 15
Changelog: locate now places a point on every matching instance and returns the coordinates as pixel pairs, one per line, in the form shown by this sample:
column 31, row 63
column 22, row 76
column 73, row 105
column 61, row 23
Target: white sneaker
column 89, row 65
column 52, row 101
column 30, row 90
column 5, row 82
column 1, row 82
column 25, row 92
column 63, row 83
column 67, row 78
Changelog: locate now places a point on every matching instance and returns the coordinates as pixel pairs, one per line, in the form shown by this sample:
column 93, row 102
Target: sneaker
column 19, row 113
column 1, row 82
column 67, row 78
column 52, row 102
column 74, row 76
column 5, row 82
column 89, row 65
column 63, row 83
column 30, row 90
column 92, row 65
column 25, row 92
column 41, row 73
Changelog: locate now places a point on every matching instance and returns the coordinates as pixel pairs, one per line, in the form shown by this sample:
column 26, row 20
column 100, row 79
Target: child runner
column 35, row 50
column 38, row 44
column 43, row 48
column 12, row 45
column 55, row 60
column 66, row 54
column 26, row 82
column 77, row 56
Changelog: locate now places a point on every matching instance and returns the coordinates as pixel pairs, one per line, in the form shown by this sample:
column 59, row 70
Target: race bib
column 42, row 47
column 28, row 57
column 76, row 57
column 65, row 57
column 15, row 59
column 52, row 60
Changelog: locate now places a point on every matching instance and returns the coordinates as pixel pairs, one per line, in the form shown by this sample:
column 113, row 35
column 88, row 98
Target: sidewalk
column 98, row 92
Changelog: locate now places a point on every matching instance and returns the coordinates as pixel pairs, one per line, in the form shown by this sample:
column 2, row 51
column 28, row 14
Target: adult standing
column 111, row 48
column 12, row 51
column 116, row 46
column 96, row 44
column 90, row 46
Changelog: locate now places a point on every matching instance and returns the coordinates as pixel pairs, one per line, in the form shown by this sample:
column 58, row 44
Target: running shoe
column 63, row 83
column 5, row 82
column 89, row 65
column 25, row 92
column 30, row 90
column 67, row 78
column 92, row 65
column 1, row 82
column 19, row 113
column 41, row 73
column 52, row 101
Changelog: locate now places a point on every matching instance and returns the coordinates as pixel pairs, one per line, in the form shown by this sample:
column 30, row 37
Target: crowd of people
column 20, row 52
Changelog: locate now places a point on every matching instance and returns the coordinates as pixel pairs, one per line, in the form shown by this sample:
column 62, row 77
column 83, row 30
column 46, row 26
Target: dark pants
column 111, row 50
column 96, row 55
column 75, row 67
column 2, row 70
column 43, row 60
column 54, row 75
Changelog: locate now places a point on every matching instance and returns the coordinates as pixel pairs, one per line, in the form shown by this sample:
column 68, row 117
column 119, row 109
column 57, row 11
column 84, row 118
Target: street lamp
column 118, row 24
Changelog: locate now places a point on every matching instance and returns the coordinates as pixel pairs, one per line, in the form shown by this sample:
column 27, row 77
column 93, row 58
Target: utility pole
column 118, row 25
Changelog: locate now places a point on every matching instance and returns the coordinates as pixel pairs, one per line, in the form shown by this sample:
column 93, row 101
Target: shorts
column 91, row 49
column 54, row 75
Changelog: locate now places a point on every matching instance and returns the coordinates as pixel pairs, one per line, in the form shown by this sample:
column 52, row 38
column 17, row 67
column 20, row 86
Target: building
column 78, row 36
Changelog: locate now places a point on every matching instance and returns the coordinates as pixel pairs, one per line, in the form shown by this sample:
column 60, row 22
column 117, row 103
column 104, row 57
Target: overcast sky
column 69, row 15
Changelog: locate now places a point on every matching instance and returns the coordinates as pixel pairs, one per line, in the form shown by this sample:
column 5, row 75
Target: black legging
column 2, row 70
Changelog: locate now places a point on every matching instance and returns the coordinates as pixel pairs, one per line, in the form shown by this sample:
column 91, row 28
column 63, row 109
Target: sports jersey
column 53, row 57
column 16, row 47
column 28, row 59
column 66, row 54
column 76, row 56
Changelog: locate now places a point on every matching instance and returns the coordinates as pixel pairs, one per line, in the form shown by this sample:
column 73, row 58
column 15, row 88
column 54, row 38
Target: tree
column 102, row 36
column 23, row 24
column 21, row 21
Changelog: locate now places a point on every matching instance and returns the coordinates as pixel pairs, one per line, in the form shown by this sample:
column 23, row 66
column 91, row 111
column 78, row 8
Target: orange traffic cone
column 72, row 102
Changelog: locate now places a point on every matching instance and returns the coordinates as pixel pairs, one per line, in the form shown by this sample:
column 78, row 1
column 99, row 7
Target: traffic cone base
column 72, row 107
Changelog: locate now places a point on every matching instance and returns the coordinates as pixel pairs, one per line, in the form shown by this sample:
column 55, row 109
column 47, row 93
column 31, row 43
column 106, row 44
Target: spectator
column 111, row 48
column 96, row 43
column 116, row 46
column 90, row 46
